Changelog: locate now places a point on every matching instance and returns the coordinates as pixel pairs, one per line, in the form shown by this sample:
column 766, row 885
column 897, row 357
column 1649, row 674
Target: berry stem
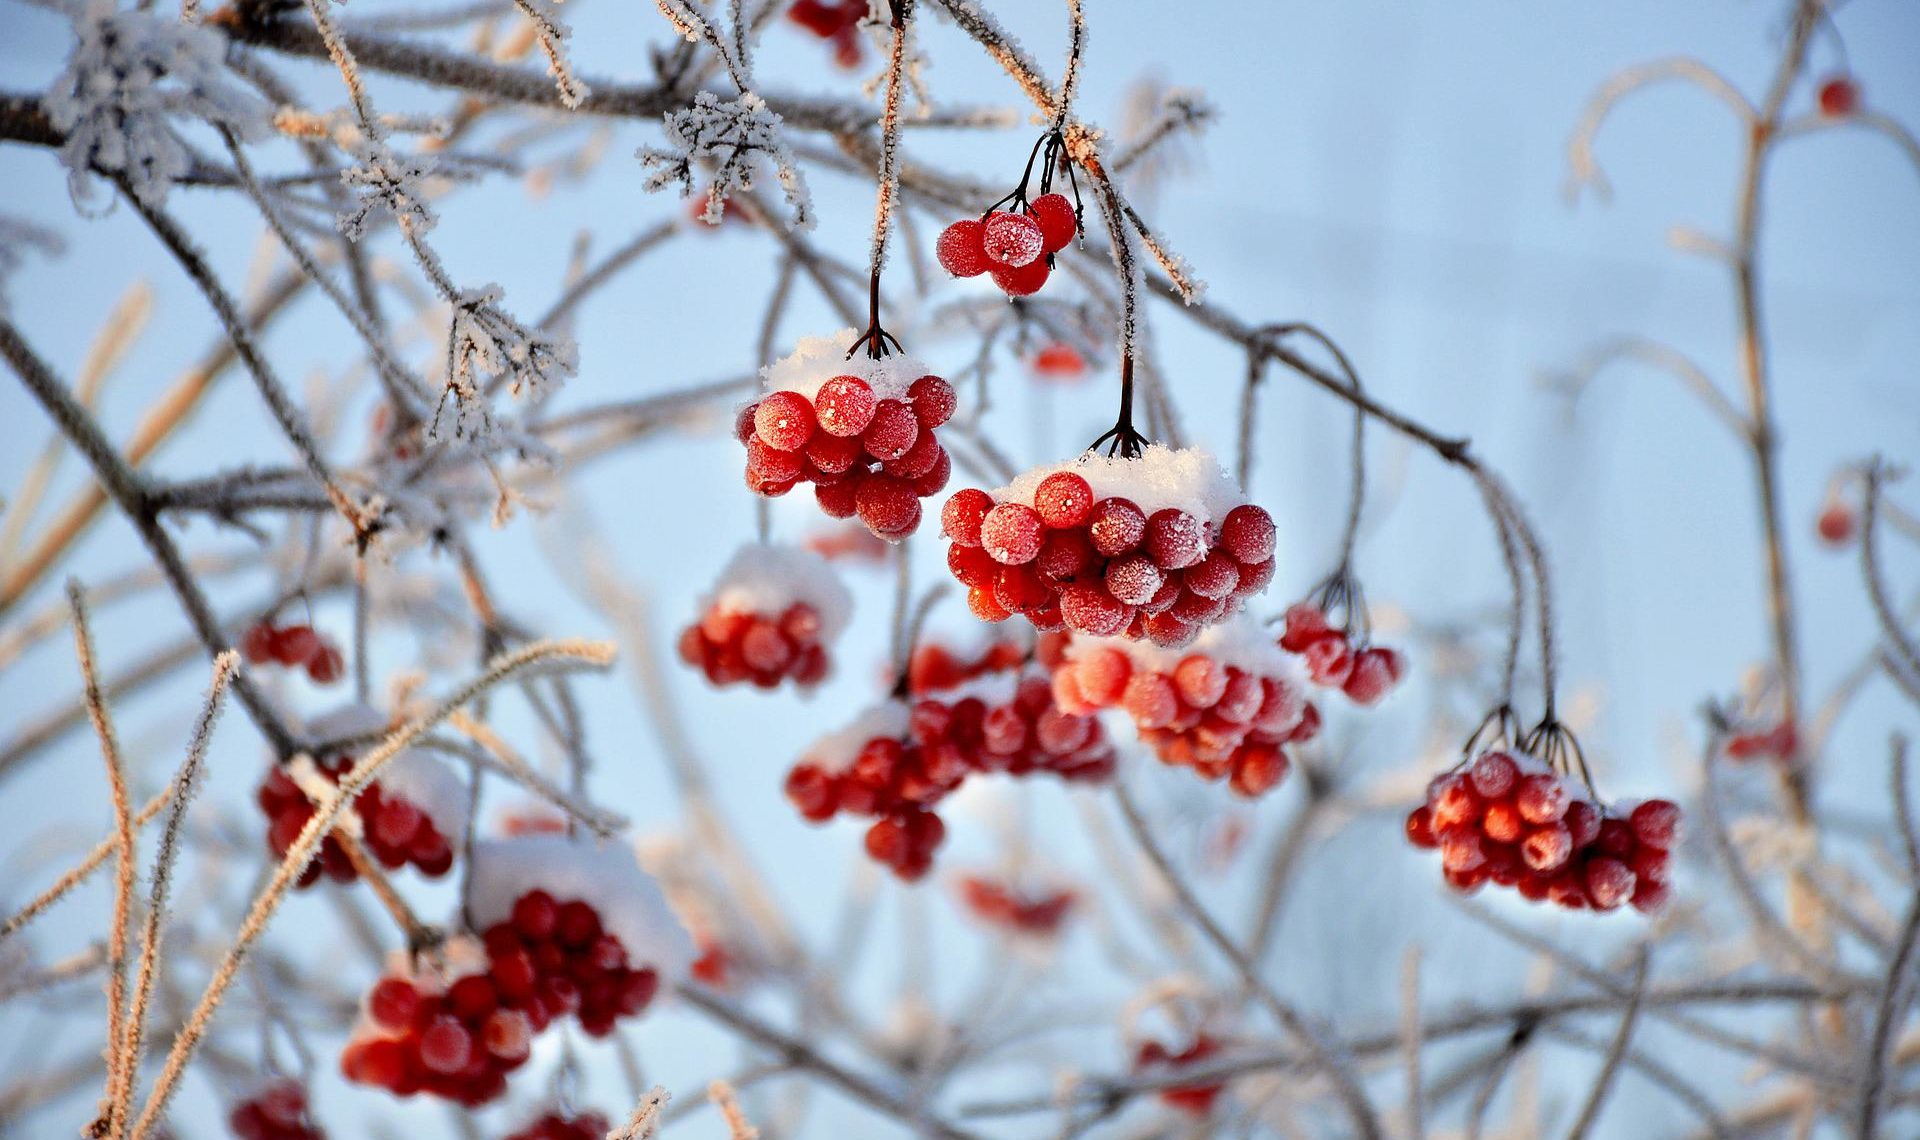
column 1122, row 438
column 877, row 339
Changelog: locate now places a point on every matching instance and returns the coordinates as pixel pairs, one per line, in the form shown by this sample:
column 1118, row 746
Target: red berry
column 1306, row 623
column 962, row 250
column 1420, row 828
column 392, row 1003
column 887, row 505
column 1247, row 533
column 1258, row 769
column 837, row 499
column 918, row 460
column 982, row 603
column 1547, row 848
column 1150, row 699
column 1133, row 579
column 1501, row 821
column 893, row 430
column 1542, row 798
column 832, row 454
column 784, row 420
column 326, row 666
column 507, row 1035
column 1609, row 883
column 933, row 401
column 1175, row 539
column 1022, row 281
column 1375, row 671
column 972, row 566
column 1582, row 822
column 961, row 517
column 445, row 1046
column 257, row 646
column 1012, row 533
column 1116, row 527
column 1656, row 823
column 473, row 997
column 1215, row 576
column 844, row 406
column 1091, row 610
column 296, row 645
column 534, row 915
column 1649, row 896
column 1057, row 220
column 1012, row 240
column 1835, row 525
column 1839, row 97
column 1064, row 500
column 1493, row 774
column 1329, row 659
column 1064, row 555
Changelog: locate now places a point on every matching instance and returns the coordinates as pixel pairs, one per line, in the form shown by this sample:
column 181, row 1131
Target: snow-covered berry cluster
column 773, row 616
column 897, row 761
column 276, row 1110
column 933, row 666
column 1226, row 707
column 860, row 430
column 406, row 817
column 567, row 929
column 837, row 23
column 1015, row 247
column 296, row 647
column 563, row 1126
column 1365, row 673
column 1509, row 819
column 1002, row 904
column 1154, row 1057
column 1158, row 546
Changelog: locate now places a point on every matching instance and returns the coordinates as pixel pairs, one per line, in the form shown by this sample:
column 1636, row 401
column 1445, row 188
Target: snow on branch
column 740, row 139
column 130, row 76
column 484, row 343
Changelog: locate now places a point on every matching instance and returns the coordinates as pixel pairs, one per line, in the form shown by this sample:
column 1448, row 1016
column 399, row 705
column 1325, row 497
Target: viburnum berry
column 784, row 420
column 1012, row 240
column 1195, row 1100
column 1060, row 363
column 1365, row 673
column 933, row 400
column 277, row 1110
column 1839, row 96
column 773, row 615
column 296, row 647
column 962, row 249
column 1057, row 219
column 1837, row 522
column 844, row 406
column 1012, row 533
column 1035, row 913
column 1022, row 280
column 1507, row 818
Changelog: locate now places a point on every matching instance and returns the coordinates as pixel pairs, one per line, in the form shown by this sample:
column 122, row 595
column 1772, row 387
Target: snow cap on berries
column 423, row 780
column 605, row 874
column 1189, row 479
column 835, row 752
column 765, row 578
column 818, row 359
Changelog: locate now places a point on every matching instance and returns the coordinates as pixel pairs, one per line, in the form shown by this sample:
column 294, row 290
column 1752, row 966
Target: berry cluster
column 1157, row 546
column 896, row 762
column 1227, row 707
column 1365, row 673
column 838, row 24
column 1015, row 247
column 860, row 430
column 1001, row 904
column 1509, row 819
column 559, row 1126
column 1776, row 743
column 276, row 1111
column 554, row 957
column 453, row 1034
column 1196, row 1100
column 296, row 647
column 771, row 617
column 933, row 666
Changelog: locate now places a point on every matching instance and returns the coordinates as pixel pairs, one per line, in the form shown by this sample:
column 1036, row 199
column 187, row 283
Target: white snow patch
column 1188, row 478
column 1241, row 641
column 604, row 874
column 818, row 359
column 430, row 784
column 766, row 579
column 836, row 750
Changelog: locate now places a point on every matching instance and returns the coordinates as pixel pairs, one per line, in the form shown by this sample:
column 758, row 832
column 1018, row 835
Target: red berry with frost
column 1541, row 798
column 1420, row 828
column 888, row 506
column 1091, row 610
column 963, row 514
column 1247, row 533
column 1656, row 823
column 972, row 566
column 296, row 645
column 1609, row 883
column 837, row 499
column 784, row 420
column 962, row 249
column 893, row 430
column 1214, row 576
column 832, row 454
column 982, row 603
column 919, row 459
column 326, row 666
column 1547, row 848
column 1116, row 527
column 1329, row 659
column 1133, row 579
column 1375, row 672
column 1306, row 623
column 1064, row 500
column 1057, row 220
column 844, row 406
column 1022, row 281
column 1175, row 538
column 1012, row 240
column 1493, row 774
column 933, row 400
column 1012, row 533
column 257, row 646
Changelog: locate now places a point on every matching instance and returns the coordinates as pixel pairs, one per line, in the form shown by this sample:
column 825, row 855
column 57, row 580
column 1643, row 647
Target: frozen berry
column 1064, row 500
column 1021, row 281
column 963, row 514
column 844, row 406
column 784, row 420
column 1175, row 538
column 1012, row 240
column 893, row 430
column 962, row 250
column 1012, row 533
column 1247, row 533
column 1057, row 220
column 933, row 400
column 1116, row 527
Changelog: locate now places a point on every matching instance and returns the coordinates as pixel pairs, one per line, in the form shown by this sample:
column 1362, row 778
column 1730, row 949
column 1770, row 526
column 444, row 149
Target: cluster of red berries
column 396, row 830
column 1365, row 673
column 1196, row 710
column 277, row 1111
column 296, row 647
column 896, row 763
column 1015, row 248
column 1001, row 904
column 933, row 666
column 549, row 960
column 730, row 647
column 838, row 24
column 559, row 1126
column 1052, row 551
column 867, row 455
column 1196, row 1100
column 1776, row 743
column 1508, row 819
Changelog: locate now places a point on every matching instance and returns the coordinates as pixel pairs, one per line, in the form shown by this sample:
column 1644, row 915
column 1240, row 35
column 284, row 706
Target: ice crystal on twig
column 739, row 138
column 129, row 77
column 485, row 342
column 387, row 181
column 553, row 36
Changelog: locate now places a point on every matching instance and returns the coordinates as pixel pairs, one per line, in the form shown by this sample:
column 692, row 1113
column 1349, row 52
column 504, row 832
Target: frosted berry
column 844, row 406
column 1247, row 533
column 1057, row 220
column 963, row 514
column 1021, row 281
column 784, row 420
column 1116, row 527
column 962, row 249
column 1064, row 500
column 1656, row 823
column 893, row 430
column 1012, row 533
column 1012, row 240
column 933, row 401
